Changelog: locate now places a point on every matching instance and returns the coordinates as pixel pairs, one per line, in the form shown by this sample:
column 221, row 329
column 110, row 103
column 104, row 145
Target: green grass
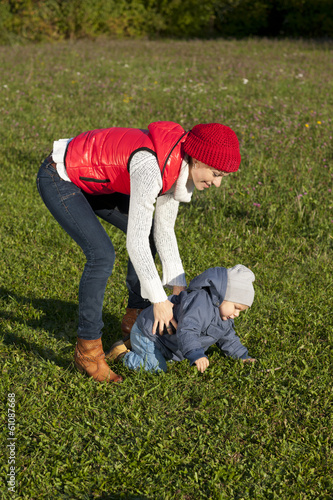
column 236, row 431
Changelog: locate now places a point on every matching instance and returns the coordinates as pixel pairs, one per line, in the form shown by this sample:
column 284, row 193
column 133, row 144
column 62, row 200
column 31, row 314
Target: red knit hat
column 215, row 145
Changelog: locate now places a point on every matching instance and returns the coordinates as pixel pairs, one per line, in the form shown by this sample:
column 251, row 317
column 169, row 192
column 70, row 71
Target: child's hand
column 202, row 364
column 177, row 289
column 249, row 360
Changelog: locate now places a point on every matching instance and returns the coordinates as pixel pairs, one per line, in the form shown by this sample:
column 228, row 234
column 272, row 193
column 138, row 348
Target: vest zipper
column 91, row 179
column 167, row 159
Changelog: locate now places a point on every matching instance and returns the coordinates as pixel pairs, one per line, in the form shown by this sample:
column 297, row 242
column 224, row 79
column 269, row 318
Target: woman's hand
column 163, row 316
column 202, row 364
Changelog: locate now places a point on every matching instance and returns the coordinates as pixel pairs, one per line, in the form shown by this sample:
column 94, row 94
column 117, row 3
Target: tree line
column 41, row 20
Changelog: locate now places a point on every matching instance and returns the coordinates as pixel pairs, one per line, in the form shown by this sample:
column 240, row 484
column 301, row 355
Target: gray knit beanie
column 239, row 287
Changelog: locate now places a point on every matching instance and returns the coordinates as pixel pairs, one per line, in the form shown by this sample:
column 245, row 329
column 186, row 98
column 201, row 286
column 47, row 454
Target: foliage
column 236, row 431
column 238, row 18
column 306, row 18
column 296, row 18
column 40, row 20
column 188, row 18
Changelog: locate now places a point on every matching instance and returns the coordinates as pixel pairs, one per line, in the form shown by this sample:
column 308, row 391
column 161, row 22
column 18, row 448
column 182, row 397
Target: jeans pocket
column 68, row 195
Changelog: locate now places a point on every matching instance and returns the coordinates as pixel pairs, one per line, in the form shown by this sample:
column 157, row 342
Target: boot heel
column 79, row 368
column 89, row 359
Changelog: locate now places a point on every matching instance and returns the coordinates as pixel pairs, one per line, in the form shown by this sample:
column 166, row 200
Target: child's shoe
column 127, row 342
column 117, row 351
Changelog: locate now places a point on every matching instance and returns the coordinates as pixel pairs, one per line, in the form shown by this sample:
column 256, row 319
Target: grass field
column 235, row 432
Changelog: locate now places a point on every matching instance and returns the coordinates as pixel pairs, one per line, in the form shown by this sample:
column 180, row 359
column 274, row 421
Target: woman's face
column 204, row 176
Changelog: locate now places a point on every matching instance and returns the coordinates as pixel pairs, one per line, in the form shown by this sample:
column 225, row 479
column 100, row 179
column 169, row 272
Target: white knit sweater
column 146, row 183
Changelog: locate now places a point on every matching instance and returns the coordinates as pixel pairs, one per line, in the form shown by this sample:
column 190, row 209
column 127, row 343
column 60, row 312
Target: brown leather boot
column 128, row 321
column 89, row 358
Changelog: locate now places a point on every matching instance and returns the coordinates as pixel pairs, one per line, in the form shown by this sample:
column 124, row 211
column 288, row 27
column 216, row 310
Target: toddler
column 204, row 314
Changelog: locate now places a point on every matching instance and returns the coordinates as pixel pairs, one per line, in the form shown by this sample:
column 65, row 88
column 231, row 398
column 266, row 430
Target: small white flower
column 245, row 81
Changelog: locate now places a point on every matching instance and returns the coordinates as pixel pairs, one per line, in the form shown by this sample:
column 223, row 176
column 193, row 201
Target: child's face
column 204, row 176
column 231, row 310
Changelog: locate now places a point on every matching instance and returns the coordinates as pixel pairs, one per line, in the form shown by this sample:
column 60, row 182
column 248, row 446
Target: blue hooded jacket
column 200, row 325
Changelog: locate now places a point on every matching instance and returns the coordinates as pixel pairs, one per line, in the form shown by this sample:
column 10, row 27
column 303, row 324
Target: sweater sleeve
column 166, row 242
column 146, row 183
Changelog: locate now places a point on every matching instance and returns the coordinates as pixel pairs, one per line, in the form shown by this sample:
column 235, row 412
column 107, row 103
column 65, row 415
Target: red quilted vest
column 98, row 161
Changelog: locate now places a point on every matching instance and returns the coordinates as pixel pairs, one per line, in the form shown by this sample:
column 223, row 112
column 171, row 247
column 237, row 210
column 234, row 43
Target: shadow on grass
column 56, row 317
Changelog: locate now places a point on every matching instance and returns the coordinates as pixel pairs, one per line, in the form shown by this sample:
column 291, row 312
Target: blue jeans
column 77, row 213
column 144, row 353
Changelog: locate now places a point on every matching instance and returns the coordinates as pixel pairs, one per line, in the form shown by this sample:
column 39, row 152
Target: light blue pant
column 144, row 353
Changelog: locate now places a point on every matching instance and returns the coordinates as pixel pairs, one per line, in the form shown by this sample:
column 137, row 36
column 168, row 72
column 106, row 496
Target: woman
column 122, row 175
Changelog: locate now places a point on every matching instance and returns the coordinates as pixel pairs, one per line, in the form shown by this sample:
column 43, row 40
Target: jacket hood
column 214, row 280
